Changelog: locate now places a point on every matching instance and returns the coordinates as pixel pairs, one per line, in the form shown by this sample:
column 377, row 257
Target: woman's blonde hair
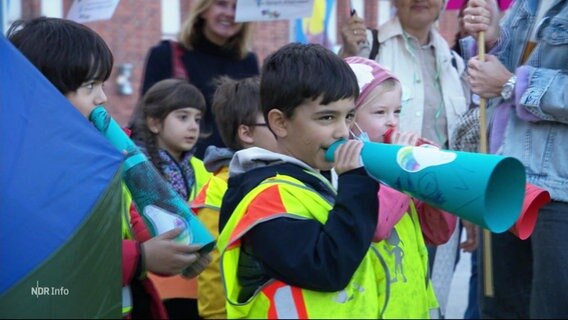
column 192, row 30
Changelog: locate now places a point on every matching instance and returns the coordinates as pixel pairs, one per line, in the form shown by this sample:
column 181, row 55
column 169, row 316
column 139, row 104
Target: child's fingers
column 170, row 234
column 404, row 138
column 347, row 156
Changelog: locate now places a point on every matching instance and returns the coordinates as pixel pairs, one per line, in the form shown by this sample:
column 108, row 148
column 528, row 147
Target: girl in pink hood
column 405, row 224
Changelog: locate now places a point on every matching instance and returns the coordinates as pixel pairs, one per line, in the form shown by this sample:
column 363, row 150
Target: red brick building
column 139, row 24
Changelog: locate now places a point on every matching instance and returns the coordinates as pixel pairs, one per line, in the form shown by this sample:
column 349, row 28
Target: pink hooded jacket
column 437, row 225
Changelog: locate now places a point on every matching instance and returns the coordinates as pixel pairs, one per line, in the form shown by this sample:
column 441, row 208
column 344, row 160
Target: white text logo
column 49, row 291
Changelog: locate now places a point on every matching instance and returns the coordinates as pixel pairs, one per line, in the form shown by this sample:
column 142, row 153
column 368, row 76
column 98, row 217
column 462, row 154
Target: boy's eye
column 380, row 112
column 326, row 117
column 197, row 119
column 89, row 85
column 350, row 116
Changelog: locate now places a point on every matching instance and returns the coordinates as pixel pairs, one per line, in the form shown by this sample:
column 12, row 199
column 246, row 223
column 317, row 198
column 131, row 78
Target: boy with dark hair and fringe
column 236, row 105
column 291, row 245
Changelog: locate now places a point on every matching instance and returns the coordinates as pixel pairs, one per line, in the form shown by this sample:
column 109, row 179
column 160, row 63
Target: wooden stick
column 487, row 254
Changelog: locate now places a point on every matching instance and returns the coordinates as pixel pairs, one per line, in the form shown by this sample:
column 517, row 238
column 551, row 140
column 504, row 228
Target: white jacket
column 396, row 54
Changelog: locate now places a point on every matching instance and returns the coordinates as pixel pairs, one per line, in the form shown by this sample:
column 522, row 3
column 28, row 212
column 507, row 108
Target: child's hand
column 348, row 156
column 165, row 256
column 406, row 138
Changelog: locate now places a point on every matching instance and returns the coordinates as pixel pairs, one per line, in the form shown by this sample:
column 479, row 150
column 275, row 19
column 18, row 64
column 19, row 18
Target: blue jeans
column 472, row 310
column 530, row 276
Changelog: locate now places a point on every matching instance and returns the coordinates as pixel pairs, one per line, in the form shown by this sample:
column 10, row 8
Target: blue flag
column 60, row 198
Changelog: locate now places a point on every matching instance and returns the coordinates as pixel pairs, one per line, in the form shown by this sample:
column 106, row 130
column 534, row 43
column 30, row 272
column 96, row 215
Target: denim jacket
column 536, row 128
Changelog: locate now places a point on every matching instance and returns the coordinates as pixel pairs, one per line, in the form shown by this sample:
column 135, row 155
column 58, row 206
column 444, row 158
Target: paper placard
column 92, row 10
column 268, row 10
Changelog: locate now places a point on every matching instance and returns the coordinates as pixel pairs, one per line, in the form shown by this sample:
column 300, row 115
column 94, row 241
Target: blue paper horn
column 485, row 189
column 160, row 206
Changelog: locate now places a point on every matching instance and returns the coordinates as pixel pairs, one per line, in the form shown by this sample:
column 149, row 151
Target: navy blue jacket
column 314, row 256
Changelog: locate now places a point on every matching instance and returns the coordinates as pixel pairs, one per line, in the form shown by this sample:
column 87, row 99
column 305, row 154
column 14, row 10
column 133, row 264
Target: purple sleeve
column 523, row 78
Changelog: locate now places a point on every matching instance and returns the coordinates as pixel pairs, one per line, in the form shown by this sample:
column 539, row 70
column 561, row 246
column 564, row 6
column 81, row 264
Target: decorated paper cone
column 485, row 189
column 160, row 206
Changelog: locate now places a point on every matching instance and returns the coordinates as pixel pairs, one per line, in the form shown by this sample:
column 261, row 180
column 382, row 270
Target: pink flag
column 457, row 4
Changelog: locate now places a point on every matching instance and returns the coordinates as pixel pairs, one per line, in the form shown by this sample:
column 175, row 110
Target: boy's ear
column 278, row 123
column 244, row 133
column 153, row 124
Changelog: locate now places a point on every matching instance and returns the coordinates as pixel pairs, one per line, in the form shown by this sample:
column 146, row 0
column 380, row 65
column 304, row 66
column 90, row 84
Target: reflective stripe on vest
column 126, row 301
column 126, row 234
column 288, row 302
column 125, row 213
column 287, row 196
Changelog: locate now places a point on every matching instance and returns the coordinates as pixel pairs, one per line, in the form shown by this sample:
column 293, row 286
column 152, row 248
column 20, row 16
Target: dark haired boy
column 292, row 246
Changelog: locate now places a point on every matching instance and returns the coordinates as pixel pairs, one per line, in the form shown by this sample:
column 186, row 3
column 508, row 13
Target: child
column 236, row 105
column 291, row 246
column 403, row 225
column 79, row 72
column 165, row 124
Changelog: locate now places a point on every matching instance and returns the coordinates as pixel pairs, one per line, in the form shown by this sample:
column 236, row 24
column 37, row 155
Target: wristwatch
column 509, row 88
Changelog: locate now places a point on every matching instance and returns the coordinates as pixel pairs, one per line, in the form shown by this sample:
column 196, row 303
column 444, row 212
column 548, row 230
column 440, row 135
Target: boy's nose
column 342, row 131
column 101, row 98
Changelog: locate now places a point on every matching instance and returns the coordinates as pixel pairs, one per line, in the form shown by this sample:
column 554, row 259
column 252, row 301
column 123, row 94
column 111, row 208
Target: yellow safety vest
column 212, row 192
column 207, row 205
column 278, row 300
column 405, row 290
column 201, row 177
column 126, row 234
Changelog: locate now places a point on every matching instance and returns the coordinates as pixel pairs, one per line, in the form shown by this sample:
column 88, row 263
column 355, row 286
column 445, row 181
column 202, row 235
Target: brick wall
column 268, row 37
column 133, row 29
column 136, row 26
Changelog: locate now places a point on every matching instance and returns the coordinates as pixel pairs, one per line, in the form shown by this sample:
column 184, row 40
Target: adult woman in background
column 433, row 90
column 211, row 44
column 411, row 47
